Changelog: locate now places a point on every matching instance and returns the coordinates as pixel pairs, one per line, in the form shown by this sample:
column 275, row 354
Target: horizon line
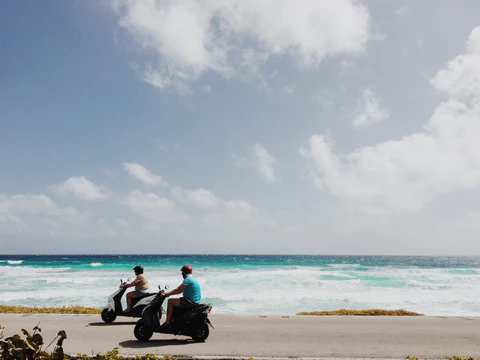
column 233, row 254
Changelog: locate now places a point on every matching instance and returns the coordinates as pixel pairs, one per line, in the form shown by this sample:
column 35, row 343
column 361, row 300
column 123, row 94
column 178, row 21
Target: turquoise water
column 254, row 284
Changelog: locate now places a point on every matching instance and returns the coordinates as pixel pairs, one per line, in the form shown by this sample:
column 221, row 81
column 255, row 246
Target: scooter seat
column 199, row 306
column 145, row 295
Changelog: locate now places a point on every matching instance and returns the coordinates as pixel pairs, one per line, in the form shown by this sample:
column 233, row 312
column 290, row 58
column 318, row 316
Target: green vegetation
column 30, row 347
column 56, row 310
column 370, row 312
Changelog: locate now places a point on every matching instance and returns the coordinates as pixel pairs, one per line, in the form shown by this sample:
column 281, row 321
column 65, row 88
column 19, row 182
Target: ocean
column 254, row 284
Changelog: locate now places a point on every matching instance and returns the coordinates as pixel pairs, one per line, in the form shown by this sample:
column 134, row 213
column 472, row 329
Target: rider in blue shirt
column 191, row 293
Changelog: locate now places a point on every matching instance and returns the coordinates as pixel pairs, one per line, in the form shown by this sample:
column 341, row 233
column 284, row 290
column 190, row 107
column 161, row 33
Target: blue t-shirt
column 192, row 290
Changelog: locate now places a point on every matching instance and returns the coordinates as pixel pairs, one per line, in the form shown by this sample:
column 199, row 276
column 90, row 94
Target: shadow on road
column 112, row 324
column 135, row 344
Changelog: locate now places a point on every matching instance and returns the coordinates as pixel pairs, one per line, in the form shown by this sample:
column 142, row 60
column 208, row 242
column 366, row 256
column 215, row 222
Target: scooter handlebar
column 124, row 282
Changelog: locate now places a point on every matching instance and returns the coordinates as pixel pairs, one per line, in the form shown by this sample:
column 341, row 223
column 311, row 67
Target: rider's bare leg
column 130, row 296
column 172, row 302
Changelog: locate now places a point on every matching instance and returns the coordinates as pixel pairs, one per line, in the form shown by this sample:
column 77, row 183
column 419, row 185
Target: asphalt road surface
column 270, row 336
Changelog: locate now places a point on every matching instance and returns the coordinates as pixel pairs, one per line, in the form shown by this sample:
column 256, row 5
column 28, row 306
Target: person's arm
column 130, row 284
column 176, row 291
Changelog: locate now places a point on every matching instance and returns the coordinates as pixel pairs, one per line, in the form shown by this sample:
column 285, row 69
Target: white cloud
column 401, row 10
column 17, row 223
column 27, row 204
column 239, row 215
column 369, row 111
column 326, row 99
column 219, row 213
column 225, row 215
column 144, row 175
column 153, row 207
column 200, row 197
column 420, row 45
column 51, row 223
column 192, row 37
column 405, row 174
column 289, row 88
column 346, row 64
column 81, row 188
column 264, row 162
column 140, row 202
column 108, row 173
column 260, row 160
column 123, row 223
column 17, row 208
column 461, row 79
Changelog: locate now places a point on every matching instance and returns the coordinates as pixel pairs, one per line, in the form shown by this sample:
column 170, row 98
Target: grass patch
column 370, row 312
column 84, row 310
column 55, row 310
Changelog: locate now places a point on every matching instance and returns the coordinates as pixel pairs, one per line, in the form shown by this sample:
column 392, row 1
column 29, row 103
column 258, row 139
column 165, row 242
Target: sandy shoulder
column 270, row 336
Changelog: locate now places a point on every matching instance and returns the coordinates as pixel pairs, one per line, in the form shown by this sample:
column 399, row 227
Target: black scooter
column 114, row 308
column 191, row 322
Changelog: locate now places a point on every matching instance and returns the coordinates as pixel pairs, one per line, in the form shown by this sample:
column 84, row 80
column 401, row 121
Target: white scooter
column 114, row 309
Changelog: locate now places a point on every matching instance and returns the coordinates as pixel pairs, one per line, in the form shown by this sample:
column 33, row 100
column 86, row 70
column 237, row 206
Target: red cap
column 186, row 269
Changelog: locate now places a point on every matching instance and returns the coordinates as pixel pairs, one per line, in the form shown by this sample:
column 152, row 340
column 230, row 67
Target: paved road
column 271, row 336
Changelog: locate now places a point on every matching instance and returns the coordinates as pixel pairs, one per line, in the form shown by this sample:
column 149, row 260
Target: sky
column 240, row 126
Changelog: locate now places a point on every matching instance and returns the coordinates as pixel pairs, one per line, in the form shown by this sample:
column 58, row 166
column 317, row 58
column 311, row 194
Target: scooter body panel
column 152, row 313
column 184, row 321
column 138, row 304
column 114, row 301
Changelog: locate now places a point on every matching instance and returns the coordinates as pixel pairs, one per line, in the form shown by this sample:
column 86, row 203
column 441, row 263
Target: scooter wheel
column 108, row 316
column 200, row 333
column 142, row 332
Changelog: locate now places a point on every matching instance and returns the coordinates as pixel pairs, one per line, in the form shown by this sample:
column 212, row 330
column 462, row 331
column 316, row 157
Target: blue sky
column 254, row 127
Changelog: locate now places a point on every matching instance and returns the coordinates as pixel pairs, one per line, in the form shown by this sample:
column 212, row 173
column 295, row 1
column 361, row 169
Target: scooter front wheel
column 108, row 315
column 200, row 333
column 142, row 332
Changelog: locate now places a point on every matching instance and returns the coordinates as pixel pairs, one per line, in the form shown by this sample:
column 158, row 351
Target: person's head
column 186, row 270
column 138, row 270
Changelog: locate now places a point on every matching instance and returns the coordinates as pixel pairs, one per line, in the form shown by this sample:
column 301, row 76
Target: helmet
column 186, row 269
column 138, row 269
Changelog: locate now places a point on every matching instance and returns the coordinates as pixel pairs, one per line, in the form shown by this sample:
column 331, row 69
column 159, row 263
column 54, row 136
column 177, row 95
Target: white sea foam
column 14, row 262
column 264, row 290
column 73, row 280
column 96, row 264
column 344, row 265
column 28, row 272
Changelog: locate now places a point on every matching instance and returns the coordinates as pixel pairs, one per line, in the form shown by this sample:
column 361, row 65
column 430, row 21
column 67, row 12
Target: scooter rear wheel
column 142, row 332
column 200, row 333
column 108, row 315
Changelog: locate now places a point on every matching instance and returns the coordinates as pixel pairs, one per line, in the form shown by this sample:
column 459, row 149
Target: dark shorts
column 139, row 293
column 186, row 304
